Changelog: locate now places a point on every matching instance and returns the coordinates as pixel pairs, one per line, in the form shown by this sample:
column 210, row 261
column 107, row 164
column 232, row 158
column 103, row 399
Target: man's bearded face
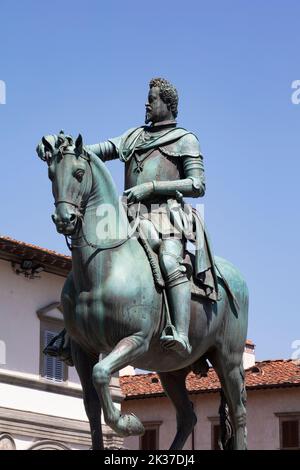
column 156, row 108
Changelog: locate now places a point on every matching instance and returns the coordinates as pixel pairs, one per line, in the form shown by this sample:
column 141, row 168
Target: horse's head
column 70, row 173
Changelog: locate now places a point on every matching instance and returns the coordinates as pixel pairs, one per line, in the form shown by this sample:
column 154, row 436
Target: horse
column 113, row 310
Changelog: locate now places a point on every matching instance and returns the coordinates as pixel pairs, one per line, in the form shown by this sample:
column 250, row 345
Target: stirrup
column 171, row 339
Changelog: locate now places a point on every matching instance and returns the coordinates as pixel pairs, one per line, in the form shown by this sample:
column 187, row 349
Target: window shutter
column 216, row 433
column 53, row 368
column 290, row 434
column 148, row 440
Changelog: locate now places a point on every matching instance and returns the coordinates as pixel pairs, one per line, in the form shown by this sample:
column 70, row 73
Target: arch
column 7, row 442
column 48, row 444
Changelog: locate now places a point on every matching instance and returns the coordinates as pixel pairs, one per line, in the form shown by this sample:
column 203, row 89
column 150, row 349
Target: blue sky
column 85, row 67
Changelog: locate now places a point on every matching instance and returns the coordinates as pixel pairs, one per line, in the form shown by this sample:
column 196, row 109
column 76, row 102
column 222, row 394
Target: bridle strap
column 68, row 238
column 67, row 202
column 108, row 246
column 63, row 201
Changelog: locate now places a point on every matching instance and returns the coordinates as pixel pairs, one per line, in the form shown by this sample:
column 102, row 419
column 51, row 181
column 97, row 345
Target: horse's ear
column 60, row 138
column 47, row 145
column 79, row 144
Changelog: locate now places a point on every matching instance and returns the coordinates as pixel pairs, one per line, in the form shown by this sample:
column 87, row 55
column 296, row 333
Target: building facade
column 273, row 407
column 41, row 404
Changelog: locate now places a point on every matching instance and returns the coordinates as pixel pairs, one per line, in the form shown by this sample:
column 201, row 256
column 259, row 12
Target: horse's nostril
column 72, row 218
column 53, row 217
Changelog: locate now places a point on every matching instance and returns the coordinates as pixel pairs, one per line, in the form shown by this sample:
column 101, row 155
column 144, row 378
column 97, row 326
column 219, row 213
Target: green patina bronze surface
column 112, row 301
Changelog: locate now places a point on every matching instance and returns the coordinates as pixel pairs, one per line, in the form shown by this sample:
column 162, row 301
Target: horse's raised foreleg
column 174, row 386
column 84, row 366
column 126, row 351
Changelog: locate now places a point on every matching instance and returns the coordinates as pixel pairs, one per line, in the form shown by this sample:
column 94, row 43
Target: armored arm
column 104, row 150
column 193, row 183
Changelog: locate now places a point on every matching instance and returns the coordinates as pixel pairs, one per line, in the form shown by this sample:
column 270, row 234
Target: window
column 53, row 369
column 289, row 430
column 150, row 440
column 216, row 431
column 290, row 434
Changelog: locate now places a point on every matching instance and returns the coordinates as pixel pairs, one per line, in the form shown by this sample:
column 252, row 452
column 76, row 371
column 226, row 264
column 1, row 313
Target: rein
column 110, row 246
column 67, row 202
column 69, row 238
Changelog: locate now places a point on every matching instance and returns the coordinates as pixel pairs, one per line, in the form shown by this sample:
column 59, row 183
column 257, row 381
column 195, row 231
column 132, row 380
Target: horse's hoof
column 130, row 425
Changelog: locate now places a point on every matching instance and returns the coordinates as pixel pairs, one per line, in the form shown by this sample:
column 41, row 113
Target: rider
column 163, row 163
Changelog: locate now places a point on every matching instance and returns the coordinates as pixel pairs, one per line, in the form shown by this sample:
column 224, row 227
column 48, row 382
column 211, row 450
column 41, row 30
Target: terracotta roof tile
column 265, row 374
column 43, row 256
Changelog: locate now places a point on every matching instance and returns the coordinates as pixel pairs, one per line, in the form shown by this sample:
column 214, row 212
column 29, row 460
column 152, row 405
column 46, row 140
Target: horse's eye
column 79, row 175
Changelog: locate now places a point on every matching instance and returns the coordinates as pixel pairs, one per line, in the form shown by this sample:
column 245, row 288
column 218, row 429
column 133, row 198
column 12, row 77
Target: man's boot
column 179, row 298
column 60, row 347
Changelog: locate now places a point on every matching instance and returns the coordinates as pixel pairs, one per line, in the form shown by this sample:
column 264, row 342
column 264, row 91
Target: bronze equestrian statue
column 145, row 300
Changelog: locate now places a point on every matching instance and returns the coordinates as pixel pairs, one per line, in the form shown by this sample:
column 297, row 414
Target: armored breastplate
column 152, row 165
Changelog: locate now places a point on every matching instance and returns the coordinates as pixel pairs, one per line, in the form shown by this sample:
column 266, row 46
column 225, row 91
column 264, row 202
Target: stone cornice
column 39, row 383
column 62, row 388
column 39, row 426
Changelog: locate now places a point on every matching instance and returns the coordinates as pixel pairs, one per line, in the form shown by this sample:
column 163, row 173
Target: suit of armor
column 163, row 163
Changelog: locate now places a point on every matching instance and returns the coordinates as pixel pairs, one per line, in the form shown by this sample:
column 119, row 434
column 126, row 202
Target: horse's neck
column 105, row 218
column 105, row 222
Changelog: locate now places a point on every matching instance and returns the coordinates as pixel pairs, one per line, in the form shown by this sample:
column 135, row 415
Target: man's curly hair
column 168, row 93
